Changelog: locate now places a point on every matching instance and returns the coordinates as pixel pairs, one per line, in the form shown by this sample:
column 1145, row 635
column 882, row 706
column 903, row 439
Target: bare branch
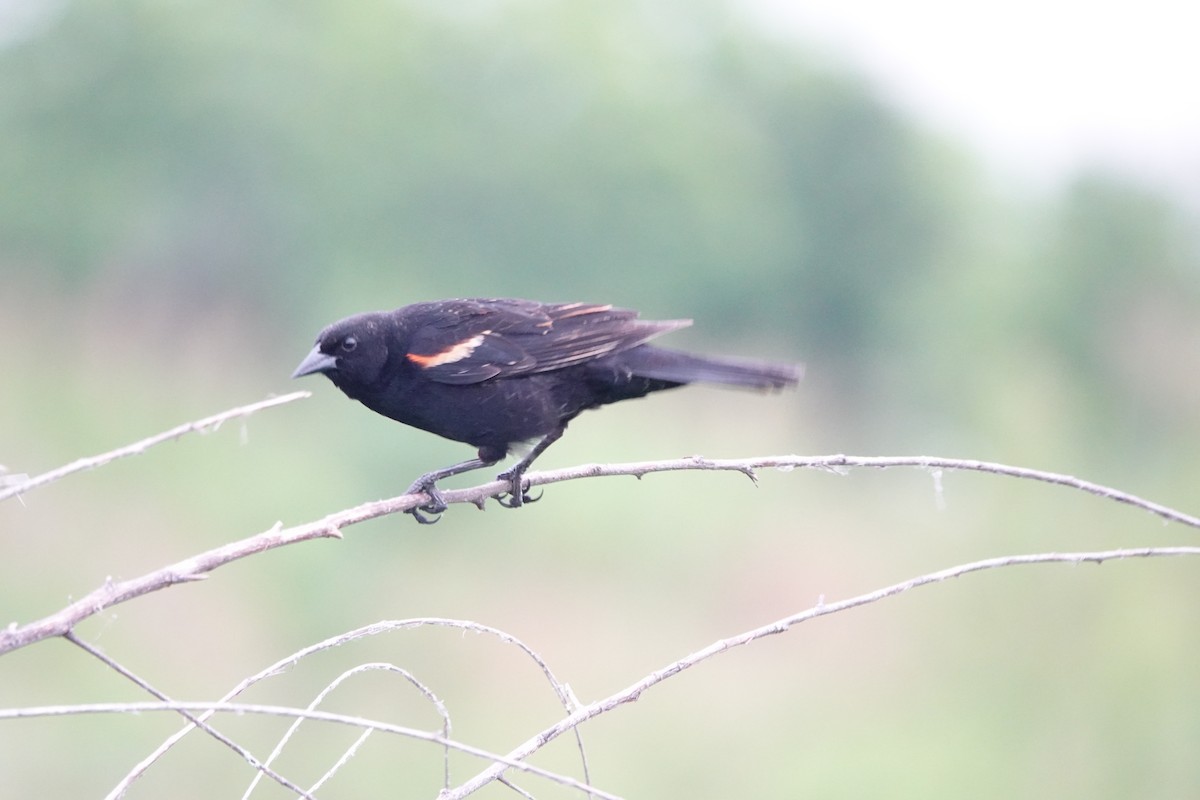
column 568, row 700
column 200, row 425
column 263, row 769
column 634, row 691
column 838, row 464
column 353, row 749
column 190, row 569
column 198, row 567
column 286, row 711
column 841, row 464
column 516, row 758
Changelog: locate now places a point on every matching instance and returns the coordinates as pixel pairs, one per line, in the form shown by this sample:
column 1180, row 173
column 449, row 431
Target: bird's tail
column 677, row 367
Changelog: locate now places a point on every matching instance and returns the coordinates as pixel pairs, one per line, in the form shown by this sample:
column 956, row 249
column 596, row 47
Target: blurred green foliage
column 191, row 190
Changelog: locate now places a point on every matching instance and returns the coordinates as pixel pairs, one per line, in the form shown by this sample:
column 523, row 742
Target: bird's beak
column 316, row 361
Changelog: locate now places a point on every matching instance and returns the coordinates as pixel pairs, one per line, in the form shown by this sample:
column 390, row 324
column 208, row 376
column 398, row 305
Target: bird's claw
column 518, row 493
column 421, row 518
column 435, row 506
column 510, row 500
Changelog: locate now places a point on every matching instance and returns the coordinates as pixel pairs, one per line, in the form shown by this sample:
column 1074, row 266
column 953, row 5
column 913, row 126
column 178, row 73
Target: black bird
column 496, row 372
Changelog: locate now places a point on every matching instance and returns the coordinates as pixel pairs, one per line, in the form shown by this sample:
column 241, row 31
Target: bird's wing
column 473, row 341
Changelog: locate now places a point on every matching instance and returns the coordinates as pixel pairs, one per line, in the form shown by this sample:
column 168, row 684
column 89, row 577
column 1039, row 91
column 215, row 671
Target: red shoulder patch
column 455, row 352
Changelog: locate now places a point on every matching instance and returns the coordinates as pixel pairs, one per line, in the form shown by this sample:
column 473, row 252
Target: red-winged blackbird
column 493, row 373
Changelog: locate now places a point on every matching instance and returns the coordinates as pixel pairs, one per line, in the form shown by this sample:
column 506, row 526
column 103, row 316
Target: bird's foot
column 435, row 506
column 518, row 492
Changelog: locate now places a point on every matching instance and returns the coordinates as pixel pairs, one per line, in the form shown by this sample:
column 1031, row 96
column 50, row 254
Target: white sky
column 1037, row 87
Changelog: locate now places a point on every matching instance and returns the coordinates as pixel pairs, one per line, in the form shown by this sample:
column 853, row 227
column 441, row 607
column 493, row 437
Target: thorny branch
column 199, row 566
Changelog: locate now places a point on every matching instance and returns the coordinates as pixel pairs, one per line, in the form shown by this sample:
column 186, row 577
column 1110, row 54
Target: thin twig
column 353, row 749
column 121, row 669
column 569, row 702
column 198, row 567
column 635, row 690
column 190, row 569
column 201, row 425
column 286, row 711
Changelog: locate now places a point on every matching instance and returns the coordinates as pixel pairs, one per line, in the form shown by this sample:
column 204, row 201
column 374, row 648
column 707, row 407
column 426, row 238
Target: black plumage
column 496, row 372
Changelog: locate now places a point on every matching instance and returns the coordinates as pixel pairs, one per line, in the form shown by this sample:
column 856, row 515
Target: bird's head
column 351, row 352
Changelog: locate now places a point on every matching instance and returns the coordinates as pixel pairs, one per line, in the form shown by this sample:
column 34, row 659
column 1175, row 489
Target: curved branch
column 568, row 700
column 632, row 692
column 198, row 567
column 297, row 713
column 841, row 464
column 245, row 754
column 516, row 759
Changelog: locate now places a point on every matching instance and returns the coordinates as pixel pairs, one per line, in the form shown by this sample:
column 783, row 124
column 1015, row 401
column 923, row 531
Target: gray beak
column 316, row 361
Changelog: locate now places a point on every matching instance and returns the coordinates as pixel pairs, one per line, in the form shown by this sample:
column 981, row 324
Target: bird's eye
column 348, row 344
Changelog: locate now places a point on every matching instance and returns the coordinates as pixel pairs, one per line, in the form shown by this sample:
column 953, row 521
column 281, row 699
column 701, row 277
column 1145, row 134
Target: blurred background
column 979, row 233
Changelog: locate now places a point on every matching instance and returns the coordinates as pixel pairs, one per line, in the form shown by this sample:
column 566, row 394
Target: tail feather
column 672, row 365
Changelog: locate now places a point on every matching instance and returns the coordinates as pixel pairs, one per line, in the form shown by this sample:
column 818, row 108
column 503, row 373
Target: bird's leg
column 517, row 495
column 427, row 484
